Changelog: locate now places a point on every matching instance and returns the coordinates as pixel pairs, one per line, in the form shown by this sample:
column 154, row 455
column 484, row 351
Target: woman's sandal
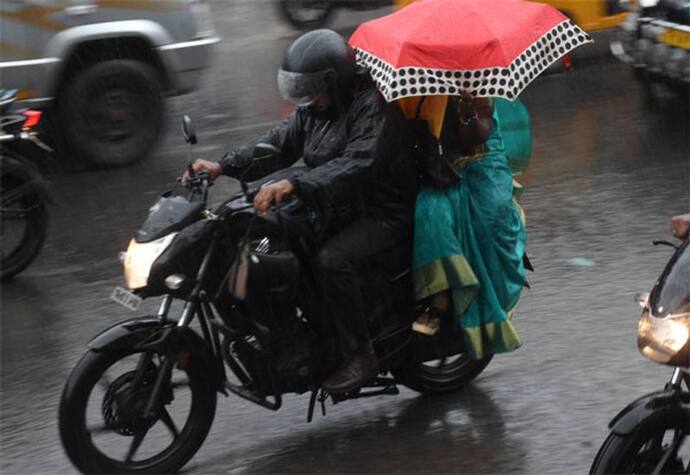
column 429, row 322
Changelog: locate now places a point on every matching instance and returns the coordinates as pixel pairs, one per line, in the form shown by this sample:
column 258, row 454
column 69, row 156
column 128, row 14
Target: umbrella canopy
column 490, row 48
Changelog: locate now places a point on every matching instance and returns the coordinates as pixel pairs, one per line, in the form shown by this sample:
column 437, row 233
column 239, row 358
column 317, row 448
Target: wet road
column 609, row 169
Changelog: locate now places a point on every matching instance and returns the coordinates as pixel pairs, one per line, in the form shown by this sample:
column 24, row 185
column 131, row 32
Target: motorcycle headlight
column 140, row 257
column 663, row 339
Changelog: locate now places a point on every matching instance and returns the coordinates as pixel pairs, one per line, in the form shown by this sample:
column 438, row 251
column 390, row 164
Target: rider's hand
column 680, row 226
column 273, row 193
column 213, row 169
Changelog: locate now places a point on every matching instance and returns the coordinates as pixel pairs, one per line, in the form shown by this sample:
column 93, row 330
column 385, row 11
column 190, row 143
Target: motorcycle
column 648, row 436
column 245, row 279
column 312, row 14
column 23, row 215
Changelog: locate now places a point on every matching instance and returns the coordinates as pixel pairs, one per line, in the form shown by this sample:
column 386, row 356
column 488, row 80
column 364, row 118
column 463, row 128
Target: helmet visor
column 302, row 89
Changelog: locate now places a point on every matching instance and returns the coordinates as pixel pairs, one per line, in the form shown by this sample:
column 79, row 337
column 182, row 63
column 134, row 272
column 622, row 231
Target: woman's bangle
column 469, row 119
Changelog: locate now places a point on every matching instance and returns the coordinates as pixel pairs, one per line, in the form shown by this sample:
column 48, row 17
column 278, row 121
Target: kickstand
column 312, row 403
column 322, row 397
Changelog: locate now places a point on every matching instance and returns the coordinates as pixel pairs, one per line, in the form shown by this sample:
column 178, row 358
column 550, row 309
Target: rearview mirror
column 263, row 151
column 188, row 130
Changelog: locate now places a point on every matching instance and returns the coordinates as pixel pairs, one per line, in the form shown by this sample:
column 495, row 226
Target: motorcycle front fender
column 126, row 334
column 667, row 403
column 150, row 332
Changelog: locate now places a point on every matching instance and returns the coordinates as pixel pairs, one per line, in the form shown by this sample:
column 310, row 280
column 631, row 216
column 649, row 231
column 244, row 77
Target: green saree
column 470, row 239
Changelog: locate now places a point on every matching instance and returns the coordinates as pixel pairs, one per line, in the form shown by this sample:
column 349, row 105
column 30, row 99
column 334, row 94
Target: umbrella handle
column 419, row 107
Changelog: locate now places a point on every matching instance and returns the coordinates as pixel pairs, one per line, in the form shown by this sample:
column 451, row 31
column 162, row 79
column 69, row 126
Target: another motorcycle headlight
column 140, row 257
column 664, row 328
column 663, row 339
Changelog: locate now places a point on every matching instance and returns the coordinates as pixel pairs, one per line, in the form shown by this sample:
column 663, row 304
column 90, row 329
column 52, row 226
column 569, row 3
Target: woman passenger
column 470, row 237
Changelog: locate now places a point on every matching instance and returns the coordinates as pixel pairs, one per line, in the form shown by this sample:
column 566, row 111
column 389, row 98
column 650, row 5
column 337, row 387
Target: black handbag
column 435, row 169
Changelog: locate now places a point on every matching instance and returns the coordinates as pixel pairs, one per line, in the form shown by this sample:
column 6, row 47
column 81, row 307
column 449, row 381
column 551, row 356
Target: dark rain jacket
column 358, row 161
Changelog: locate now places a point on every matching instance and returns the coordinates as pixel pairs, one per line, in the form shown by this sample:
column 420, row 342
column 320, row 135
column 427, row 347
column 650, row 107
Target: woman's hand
column 274, row 193
column 473, row 117
column 213, row 169
column 680, row 226
column 466, row 107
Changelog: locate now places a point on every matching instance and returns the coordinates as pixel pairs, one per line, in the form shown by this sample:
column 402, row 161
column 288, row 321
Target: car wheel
column 306, row 14
column 110, row 114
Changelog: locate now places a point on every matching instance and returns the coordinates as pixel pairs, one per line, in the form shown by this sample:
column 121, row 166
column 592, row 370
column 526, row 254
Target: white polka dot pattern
column 506, row 82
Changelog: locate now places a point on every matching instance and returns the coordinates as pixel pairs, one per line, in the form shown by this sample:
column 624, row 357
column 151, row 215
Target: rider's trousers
column 342, row 266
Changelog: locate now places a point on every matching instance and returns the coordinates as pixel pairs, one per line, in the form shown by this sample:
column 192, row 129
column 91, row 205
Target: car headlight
column 140, row 257
column 663, row 339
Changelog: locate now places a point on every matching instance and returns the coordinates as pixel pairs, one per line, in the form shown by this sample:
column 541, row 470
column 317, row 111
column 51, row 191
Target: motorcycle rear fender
column 657, row 404
column 134, row 332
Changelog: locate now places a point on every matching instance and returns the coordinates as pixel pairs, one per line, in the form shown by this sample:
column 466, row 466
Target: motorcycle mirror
column 263, row 151
column 188, row 130
column 664, row 243
column 642, row 299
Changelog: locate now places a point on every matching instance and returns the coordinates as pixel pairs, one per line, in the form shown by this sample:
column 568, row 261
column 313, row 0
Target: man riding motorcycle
column 359, row 178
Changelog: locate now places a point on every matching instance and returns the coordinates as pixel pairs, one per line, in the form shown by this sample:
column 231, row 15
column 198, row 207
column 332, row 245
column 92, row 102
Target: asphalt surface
column 610, row 166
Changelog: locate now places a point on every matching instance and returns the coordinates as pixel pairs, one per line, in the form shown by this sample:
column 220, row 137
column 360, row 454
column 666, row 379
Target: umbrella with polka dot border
column 489, row 48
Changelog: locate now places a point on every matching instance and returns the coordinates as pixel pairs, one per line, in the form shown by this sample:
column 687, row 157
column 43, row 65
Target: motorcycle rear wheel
column 28, row 207
column 443, row 375
column 642, row 450
column 120, row 415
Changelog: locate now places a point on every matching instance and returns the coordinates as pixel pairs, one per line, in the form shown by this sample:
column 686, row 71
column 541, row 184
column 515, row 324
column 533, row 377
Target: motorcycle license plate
column 677, row 38
column 126, row 298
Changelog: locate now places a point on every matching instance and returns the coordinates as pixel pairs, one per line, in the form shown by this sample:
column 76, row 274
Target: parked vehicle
column 590, row 15
column 650, row 435
column 101, row 68
column 312, row 14
column 655, row 40
column 256, row 319
column 23, row 215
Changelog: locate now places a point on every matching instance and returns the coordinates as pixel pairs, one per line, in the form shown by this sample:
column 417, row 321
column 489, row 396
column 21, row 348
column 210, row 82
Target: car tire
column 293, row 11
column 110, row 114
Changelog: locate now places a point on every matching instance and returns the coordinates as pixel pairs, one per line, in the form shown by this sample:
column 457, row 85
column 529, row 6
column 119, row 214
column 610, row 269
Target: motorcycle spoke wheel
column 117, row 402
column 660, row 454
column 651, row 449
column 23, row 223
column 106, row 426
column 442, row 375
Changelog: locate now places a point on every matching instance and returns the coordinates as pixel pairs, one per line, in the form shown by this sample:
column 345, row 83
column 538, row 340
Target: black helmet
column 318, row 62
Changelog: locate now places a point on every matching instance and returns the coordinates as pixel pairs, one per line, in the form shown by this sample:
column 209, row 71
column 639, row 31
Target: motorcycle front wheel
column 107, row 422
column 23, row 225
column 659, row 445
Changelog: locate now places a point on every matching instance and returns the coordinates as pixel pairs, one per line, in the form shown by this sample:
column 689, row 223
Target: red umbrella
column 490, row 48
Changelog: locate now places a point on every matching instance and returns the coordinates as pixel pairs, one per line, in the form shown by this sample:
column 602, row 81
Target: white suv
column 101, row 68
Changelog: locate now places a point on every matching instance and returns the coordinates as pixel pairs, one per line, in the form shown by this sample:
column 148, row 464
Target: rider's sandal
column 429, row 322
